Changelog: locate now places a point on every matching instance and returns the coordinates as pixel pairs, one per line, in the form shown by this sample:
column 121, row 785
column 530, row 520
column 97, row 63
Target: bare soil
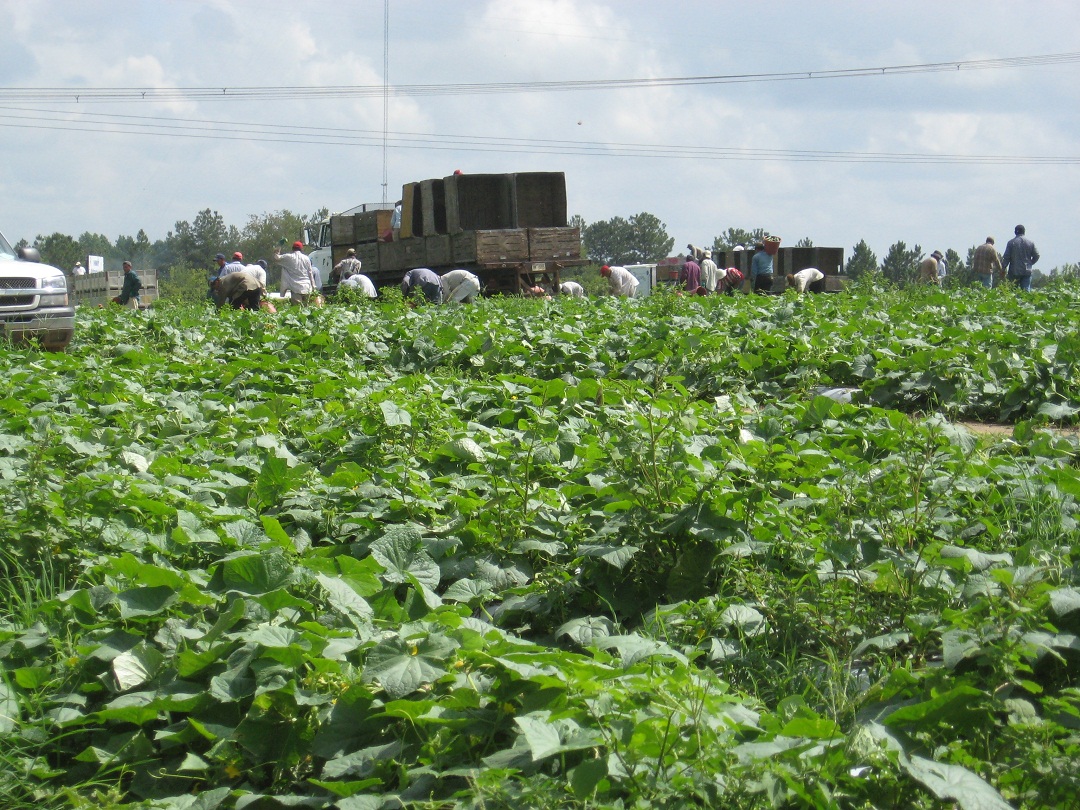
column 990, row 429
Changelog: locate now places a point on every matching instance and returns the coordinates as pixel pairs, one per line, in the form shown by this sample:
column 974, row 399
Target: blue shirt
column 1019, row 255
column 761, row 265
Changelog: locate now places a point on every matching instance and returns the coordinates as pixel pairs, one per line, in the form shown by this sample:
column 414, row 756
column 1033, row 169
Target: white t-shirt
column 624, row 284
column 804, row 278
column 363, row 282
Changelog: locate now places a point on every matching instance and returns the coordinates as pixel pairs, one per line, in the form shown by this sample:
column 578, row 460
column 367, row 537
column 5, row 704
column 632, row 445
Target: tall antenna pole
column 385, row 91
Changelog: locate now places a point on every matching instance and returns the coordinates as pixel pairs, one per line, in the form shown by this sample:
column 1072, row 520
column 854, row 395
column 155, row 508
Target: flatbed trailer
column 509, row 229
column 97, row 289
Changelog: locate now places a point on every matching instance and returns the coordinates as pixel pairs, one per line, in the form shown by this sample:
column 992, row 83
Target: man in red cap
column 235, row 266
column 623, row 283
column 297, row 276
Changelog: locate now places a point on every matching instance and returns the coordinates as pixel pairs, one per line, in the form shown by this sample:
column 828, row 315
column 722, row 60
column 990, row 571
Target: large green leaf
column 257, row 573
column 400, row 551
column 955, row 783
column 402, row 666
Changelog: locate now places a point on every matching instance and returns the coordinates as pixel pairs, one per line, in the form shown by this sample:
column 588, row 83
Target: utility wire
column 29, row 118
column 278, row 93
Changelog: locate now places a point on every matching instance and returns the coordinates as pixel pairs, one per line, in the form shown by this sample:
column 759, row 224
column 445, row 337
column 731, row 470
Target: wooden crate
column 368, row 254
column 554, row 243
column 440, row 250
column 478, row 202
column 539, row 200
column 404, row 254
column 490, row 247
column 369, row 226
column 408, row 214
column 432, row 208
column 342, row 230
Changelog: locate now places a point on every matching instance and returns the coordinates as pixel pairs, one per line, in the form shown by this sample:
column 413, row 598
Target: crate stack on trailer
column 829, row 260
column 509, row 229
column 360, row 229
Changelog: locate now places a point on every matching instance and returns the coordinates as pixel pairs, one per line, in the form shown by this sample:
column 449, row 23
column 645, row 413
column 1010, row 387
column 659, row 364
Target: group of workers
column 1016, row 264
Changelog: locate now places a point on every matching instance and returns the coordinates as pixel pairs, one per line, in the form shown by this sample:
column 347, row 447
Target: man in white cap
column 710, row 273
column 78, row 269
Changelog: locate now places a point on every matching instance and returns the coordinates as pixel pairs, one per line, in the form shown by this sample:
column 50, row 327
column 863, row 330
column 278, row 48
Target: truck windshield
column 5, row 247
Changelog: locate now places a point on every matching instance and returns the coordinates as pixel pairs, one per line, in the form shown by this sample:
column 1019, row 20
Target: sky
column 248, row 107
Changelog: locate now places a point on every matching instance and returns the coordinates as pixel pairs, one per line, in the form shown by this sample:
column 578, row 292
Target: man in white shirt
column 623, row 283
column 572, row 288
column 710, row 273
column 297, row 276
column 460, row 286
column 361, row 282
column 259, row 272
column 78, row 269
column 804, row 278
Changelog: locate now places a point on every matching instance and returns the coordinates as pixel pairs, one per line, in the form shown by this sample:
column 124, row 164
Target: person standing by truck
column 690, row 275
column 710, row 273
column 129, row 293
column 297, row 276
column 761, row 269
column 349, row 266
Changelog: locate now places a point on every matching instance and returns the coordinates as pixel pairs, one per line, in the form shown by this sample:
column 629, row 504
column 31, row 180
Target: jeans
column 987, row 279
column 1023, row 282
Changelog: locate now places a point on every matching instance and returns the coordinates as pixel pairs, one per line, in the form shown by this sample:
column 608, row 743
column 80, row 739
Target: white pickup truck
column 34, row 303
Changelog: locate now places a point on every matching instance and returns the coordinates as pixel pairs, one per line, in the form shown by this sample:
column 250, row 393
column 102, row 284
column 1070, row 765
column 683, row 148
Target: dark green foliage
column 544, row 553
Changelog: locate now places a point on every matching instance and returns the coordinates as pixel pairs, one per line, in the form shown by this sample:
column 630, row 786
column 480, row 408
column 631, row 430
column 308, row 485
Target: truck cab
column 318, row 237
column 34, row 302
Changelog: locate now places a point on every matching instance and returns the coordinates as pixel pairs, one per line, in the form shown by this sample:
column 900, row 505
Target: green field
column 575, row 553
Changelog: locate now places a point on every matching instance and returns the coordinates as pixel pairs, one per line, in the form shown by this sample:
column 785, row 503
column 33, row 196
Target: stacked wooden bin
column 509, row 229
column 360, row 231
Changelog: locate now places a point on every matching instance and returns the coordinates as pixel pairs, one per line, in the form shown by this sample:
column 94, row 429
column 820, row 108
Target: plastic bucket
column 772, row 244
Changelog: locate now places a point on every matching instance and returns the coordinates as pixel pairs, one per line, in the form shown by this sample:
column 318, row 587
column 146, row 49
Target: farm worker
column 761, row 269
column 804, row 278
column 690, row 274
column 425, row 280
column 241, row 290
column 572, row 288
column 395, row 221
column 361, row 282
column 258, row 270
column 986, row 263
column 623, row 283
column 78, row 269
column 942, row 267
column 235, row 266
column 129, row 292
column 710, row 273
column 297, row 276
column 731, row 281
column 928, row 269
column 348, row 266
column 460, row 286
column 1020, row 254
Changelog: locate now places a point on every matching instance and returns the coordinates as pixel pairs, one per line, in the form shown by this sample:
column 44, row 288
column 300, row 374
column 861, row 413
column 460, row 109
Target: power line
column 278, row 93
column 102, row 123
